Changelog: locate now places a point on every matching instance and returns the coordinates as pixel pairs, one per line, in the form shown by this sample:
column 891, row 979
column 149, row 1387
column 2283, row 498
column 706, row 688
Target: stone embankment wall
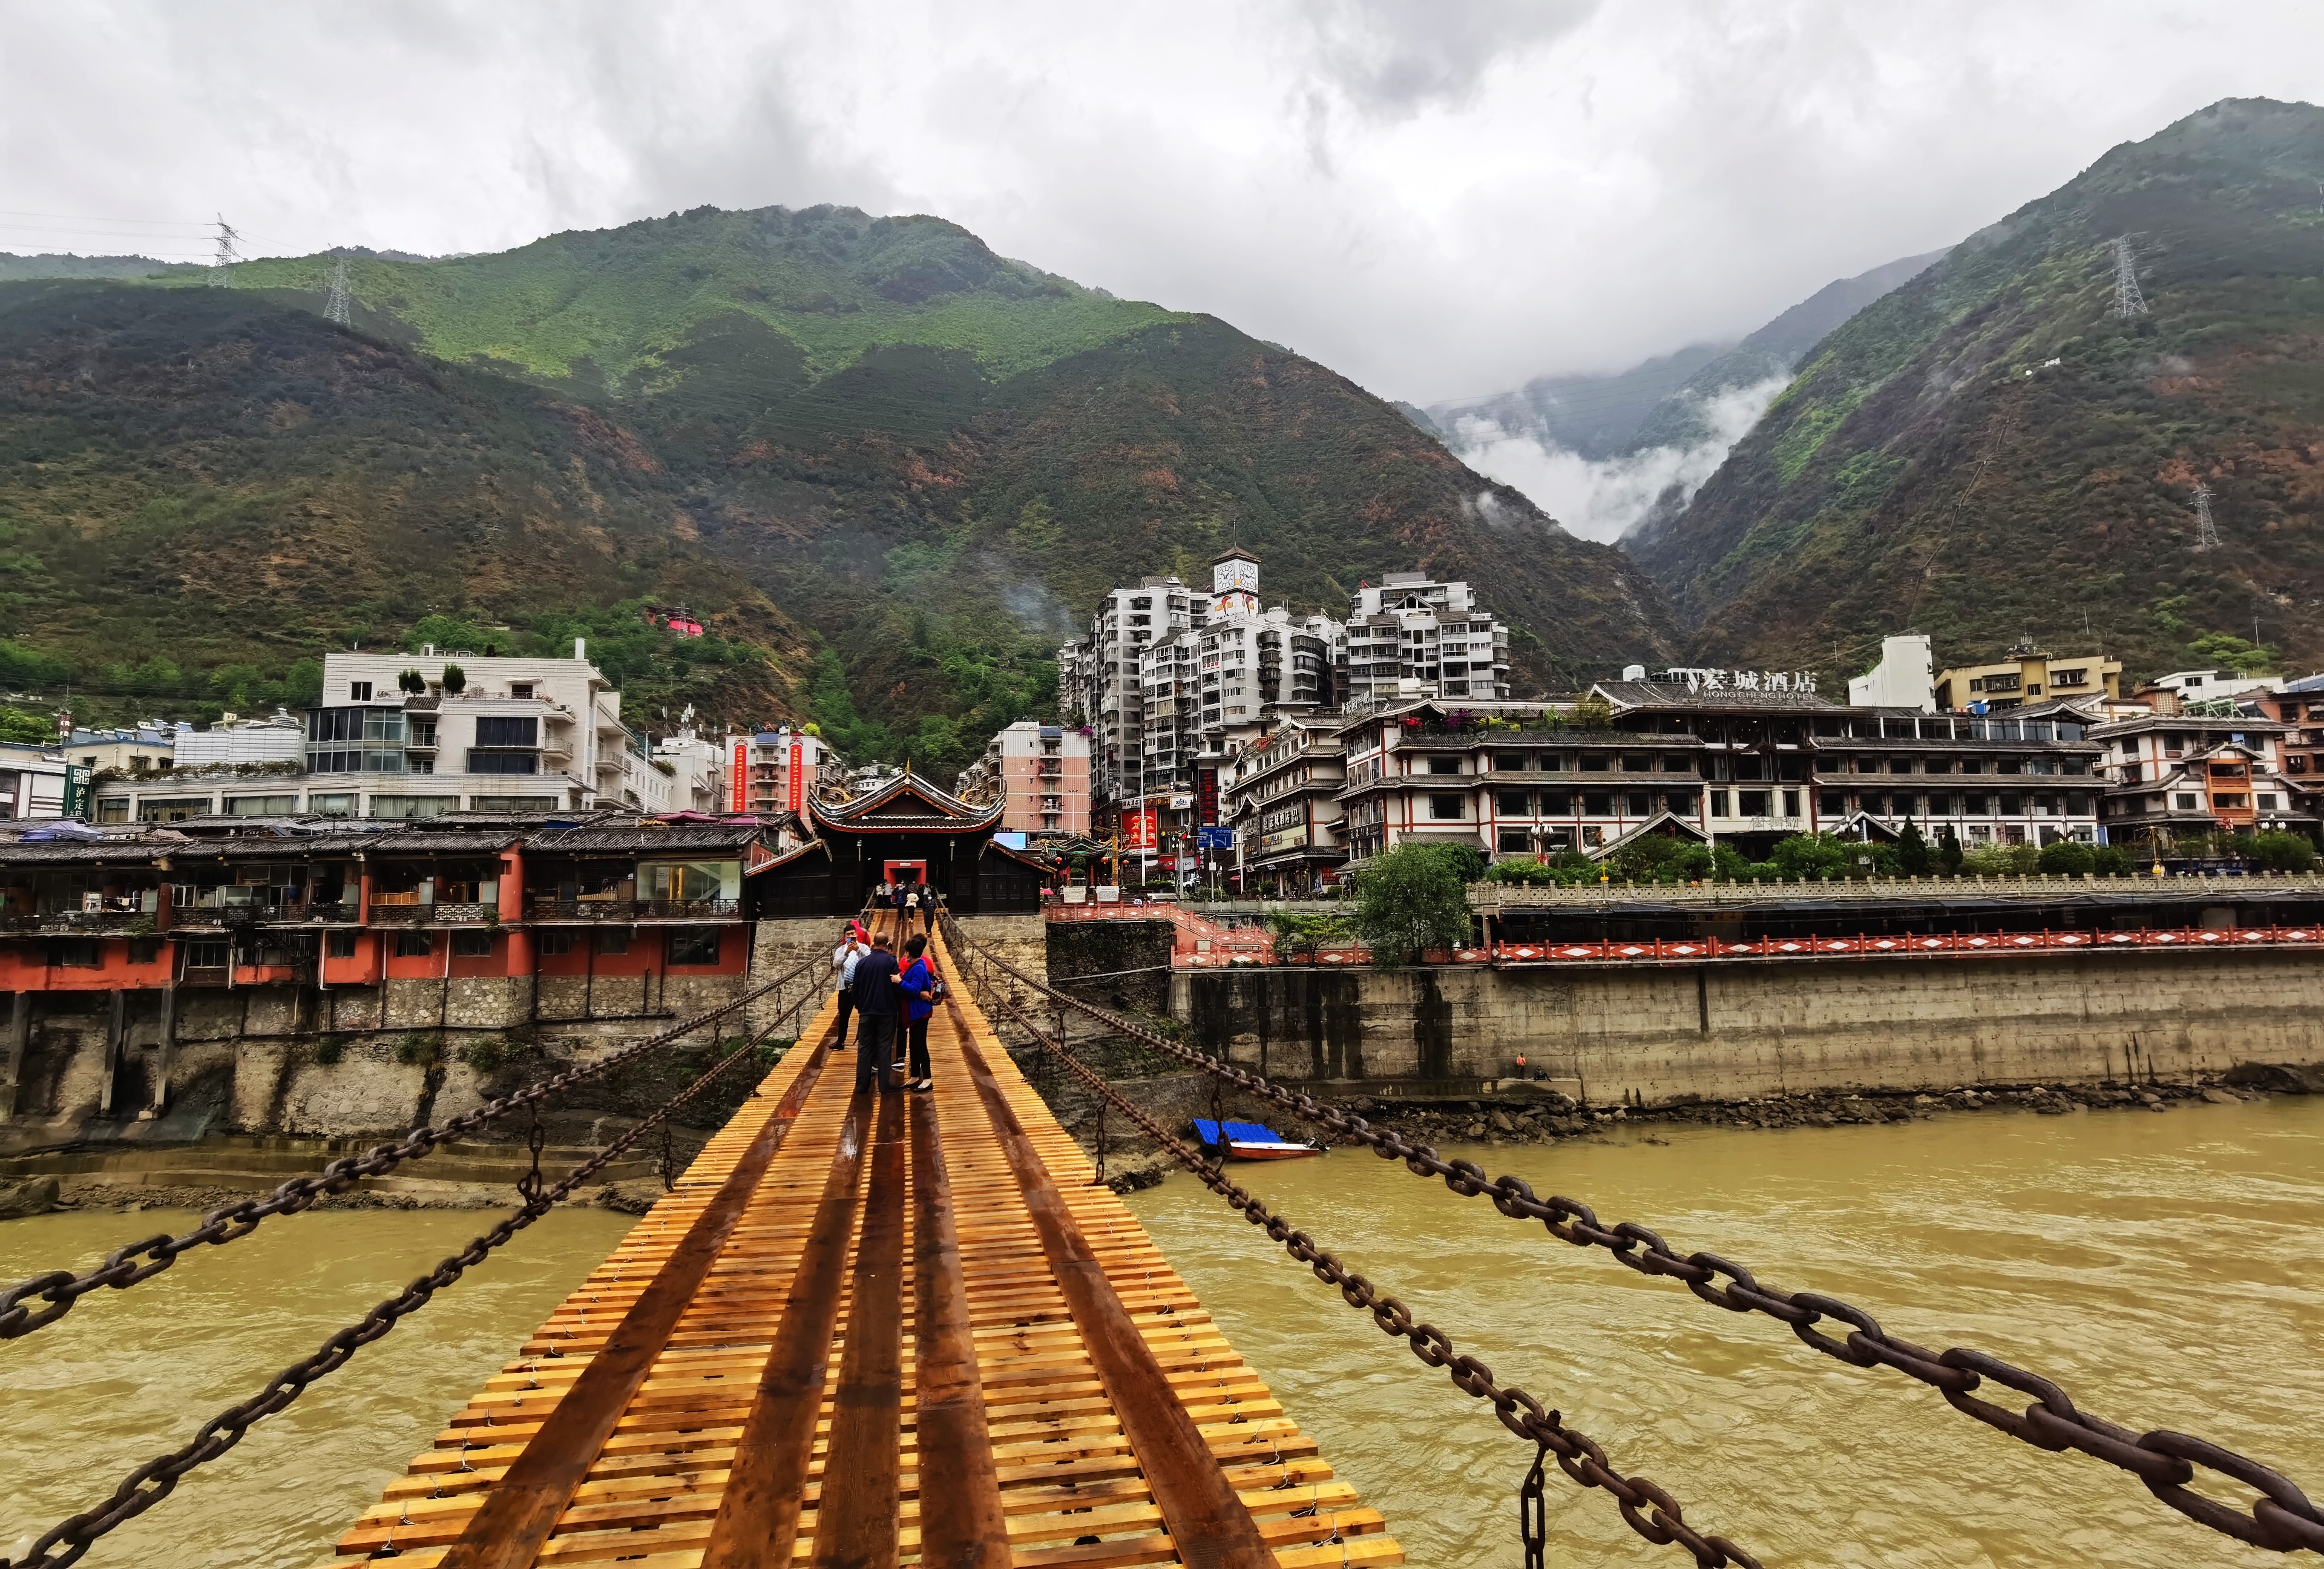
column 1648, row 1036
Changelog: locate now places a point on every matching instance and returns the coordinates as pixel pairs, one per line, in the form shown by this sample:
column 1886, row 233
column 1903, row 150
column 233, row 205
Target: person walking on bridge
column 876, row 996
column 852, row 947
column 918, row 982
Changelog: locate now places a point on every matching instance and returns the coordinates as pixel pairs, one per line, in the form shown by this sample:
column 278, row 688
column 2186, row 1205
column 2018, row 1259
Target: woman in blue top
column 918, row 981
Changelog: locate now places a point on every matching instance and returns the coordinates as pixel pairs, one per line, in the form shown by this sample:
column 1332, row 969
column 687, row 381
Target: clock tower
column 1234, row 582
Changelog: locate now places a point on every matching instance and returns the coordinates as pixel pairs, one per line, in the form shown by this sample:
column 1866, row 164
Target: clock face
column 1230, row 576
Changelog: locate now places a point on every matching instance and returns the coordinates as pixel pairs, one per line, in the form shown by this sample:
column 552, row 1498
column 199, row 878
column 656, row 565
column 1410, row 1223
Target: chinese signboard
column 1698, row 680
column 1207, row 795
column 799, row 774
column 1138, row 829
column 742, row 772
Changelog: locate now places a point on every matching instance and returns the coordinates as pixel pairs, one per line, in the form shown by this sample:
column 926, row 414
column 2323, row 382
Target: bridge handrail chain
column 1647, row 1507
column 61, row 1289
column 2282, row 1520
column 155, row 1480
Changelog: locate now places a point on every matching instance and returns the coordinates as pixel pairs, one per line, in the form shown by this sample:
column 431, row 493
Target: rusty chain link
column 1649, row 1510
column 2281, row 1519
column 61, row 1289
column 155, row 1480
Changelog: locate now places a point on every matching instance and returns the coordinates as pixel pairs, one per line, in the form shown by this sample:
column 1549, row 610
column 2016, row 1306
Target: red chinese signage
column 798, row 775
column 742, row 771
column 1206, row 797
column 1138, row 829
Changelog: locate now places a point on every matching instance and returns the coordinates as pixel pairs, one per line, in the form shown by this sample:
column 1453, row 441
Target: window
column 117, row 809
column 1791, row 803
column 1444, row 765
column 144, row 950
column 520, row 690
column 359, row 691
column 2268, row 803
column 616, row 941
column 1513, row 803
column 261, row 805
column 1598, row 803
column 503, row 762
column 694, row 945
column 1593, row 762
column 1508, row 762
column 414, row 945
column 1900, row 765
column 1637, row 803
column 339, row 944
column 1677, row 762
column 2183, row 803
column 404, row 807
column 1753, row 803
column 173, row 808
column 2013, row 806
column 206, row 954
column 2234, row 803
column 1552, row 762
column 556, row 942
column 1638, row 762
column 74, row 953
column 1718, row 803
column 507, row 730
column 1514, row 841
column 471, row 945
column 690, row 882
column 1556, row 803
column 1679, row 806
column 1447, row 808
column 1831, row 803
column 331, row 805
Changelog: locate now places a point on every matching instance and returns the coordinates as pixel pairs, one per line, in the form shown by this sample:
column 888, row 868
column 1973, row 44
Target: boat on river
column 1249, row 1141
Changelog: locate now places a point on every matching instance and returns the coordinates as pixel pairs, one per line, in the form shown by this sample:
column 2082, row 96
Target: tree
column 2231, row 652
column 2067, row 857
column 1813, row 856
column 413, row 682
column 2281, row 852
column 1948, row 852
column 1299, row 933
column 1912, row 857
column 1412, row 899
column 2110, row 861
column 1593, row 712
column 455, row 680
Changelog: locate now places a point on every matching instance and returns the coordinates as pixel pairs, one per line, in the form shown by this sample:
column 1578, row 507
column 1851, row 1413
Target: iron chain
column 61, row 1289
column 155, row 1480
column 2282, row 1520
column 1649, row 1510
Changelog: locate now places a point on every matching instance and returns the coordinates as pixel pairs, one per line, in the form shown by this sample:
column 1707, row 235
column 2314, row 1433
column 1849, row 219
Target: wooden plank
column 855, row 1517
column 962, row 1523
column 1208, row 1524
column 757, row 1519
column 519, row 1514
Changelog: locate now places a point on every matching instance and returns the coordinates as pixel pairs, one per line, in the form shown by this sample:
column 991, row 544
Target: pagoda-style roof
column 907, row 804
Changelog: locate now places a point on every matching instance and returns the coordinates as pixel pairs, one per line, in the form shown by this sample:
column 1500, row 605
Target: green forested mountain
column 891, row 467
column 1991, row 449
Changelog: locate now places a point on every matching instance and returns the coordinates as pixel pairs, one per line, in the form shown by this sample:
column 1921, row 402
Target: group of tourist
column 883, row 991
column 908, row 898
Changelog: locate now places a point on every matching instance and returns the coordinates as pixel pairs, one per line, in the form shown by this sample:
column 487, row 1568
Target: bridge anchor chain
column 1533, row 1511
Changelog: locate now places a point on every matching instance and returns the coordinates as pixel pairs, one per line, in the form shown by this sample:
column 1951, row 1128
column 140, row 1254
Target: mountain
column 1612, row 452
column 1992, row 451
column 893, row 468
column 57, row 265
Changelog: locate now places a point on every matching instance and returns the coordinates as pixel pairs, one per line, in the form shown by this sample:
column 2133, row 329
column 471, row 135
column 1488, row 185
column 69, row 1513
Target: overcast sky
column 1438, row 198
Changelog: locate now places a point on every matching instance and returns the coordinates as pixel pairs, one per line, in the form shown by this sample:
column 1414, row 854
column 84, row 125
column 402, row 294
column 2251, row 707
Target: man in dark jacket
column 876, row 1002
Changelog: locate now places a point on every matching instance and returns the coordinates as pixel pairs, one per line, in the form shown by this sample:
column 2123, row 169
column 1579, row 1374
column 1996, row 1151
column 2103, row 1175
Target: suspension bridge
column 874, row 1329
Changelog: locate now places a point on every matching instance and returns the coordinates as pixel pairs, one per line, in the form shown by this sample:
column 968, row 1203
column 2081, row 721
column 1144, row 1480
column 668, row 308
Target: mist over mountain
column 1994, row 448
column 1604, row 453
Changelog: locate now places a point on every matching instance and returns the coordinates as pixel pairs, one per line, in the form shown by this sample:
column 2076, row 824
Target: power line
column 2207, row 533
column 226, row 255
column 336, row 306
column 2127, row 300
column 84, row 218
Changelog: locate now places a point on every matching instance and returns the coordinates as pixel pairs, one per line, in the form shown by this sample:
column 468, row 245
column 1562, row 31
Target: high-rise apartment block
column 1413, row 636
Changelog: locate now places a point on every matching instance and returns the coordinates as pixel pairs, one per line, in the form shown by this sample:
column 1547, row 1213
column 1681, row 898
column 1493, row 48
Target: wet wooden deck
column 872, row 1330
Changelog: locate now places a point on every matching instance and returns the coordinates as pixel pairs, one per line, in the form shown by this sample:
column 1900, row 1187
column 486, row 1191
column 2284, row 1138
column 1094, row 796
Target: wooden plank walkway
column 875, row 1330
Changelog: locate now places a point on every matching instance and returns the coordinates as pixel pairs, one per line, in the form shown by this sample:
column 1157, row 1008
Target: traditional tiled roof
column 675, row 838
column 1678, row 695
column 907, row 803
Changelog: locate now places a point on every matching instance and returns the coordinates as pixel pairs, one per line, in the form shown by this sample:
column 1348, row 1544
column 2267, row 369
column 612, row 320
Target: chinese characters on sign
column 741, row 775
column 1699, row 679
column 1138, row 829
column 799, row 774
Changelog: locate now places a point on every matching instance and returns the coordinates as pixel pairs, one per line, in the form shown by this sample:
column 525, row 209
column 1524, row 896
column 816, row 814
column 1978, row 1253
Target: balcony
column 67, row 923
column 404, row 909
column 605, row 907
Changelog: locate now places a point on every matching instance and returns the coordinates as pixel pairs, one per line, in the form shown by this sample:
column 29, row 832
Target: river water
column 2163, row 1267
column 2167, row 1269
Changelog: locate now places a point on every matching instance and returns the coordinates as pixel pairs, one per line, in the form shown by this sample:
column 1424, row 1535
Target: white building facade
column 1413, row 636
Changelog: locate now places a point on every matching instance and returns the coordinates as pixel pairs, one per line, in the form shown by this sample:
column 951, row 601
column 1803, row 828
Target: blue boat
column 1250, row 1142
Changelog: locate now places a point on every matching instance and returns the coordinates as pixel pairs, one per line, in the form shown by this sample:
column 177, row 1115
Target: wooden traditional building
column 906, row 830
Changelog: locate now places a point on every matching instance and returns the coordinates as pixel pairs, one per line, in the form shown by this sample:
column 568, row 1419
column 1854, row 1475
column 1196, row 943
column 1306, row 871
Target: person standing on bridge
column 918, row 982
column 852, row 947
column 876, row 995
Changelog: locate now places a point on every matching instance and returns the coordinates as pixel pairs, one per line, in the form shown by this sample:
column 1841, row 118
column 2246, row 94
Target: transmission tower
column 2127, row 300
column 337, row 306
column 2207, row 533
column 226, row 256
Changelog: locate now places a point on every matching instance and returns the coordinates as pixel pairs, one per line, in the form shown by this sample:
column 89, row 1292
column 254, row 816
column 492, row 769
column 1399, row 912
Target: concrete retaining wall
column 1614, row 1034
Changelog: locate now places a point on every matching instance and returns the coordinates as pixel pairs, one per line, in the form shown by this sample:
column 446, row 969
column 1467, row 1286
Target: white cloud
column 1604, row 499
column 1438, row 197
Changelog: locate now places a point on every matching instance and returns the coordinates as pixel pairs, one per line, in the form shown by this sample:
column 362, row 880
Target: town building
column 1413, row 636
column 1040, row 772
column 235, row 741
column 2170, row 775
column 34, row 780
column 697, row 768
column 2181, row 691
column 774, row 772
column 1906, row 676
column 1748, row 764
column 130, row 750
column 1108, row 694
column 2028, row 674
column 1281, row 797
column 2299, row 706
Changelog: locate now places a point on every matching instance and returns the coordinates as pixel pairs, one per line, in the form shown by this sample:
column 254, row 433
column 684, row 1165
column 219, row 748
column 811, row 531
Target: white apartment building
column 1112, row 695
column 32, row 780
column 698, row 768
column 1413, row 637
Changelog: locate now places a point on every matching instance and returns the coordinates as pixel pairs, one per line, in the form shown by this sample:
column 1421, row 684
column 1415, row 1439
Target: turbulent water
column 126, row 1376
column 2163, row 1267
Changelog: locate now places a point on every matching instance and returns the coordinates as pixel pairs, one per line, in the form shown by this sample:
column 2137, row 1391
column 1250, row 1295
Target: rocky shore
column 44, row 1195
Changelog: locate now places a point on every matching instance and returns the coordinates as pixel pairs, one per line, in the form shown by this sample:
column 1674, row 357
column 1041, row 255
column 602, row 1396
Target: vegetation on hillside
column 1990, row 451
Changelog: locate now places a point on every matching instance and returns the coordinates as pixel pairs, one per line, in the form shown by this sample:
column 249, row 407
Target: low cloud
column 1603, row 499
